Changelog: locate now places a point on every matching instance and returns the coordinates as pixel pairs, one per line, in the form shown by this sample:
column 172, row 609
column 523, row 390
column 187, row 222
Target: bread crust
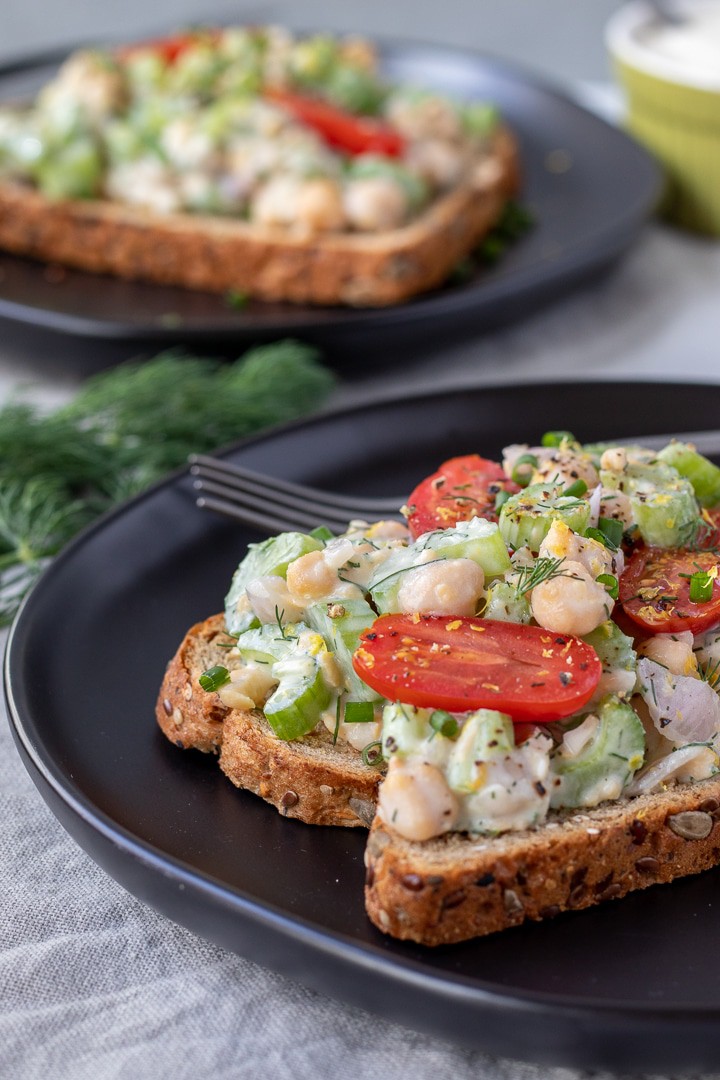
column 219, row 254
column 455, row 887
column 311, row 779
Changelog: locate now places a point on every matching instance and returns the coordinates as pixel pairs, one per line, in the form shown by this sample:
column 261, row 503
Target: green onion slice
column 611, row 584
column 372, row 754
column 612, row 528
column 501, row 498
column 359, row 712
column 214, row 678
column 701, row 587
column 322, row 533
column 576, row 490
column 444, row 724
column 522, row 476
column 557, row 438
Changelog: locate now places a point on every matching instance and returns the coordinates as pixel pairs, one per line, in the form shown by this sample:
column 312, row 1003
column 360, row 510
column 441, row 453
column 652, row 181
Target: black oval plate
column 627, row 985
column 588, row 186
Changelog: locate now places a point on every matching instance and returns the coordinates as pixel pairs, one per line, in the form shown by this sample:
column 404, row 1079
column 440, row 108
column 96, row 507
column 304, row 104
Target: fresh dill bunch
column 36, row 521
column 126, row 429
column 153, row 414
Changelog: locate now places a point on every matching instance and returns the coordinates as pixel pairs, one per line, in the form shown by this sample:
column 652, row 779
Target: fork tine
column 263, row 521
column 286, row 507
column 216, row 468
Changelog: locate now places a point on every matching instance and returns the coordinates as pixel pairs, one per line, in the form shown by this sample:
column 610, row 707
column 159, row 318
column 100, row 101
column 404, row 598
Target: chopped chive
column 501, row 498
column 522, row 476
column 576, row 490
column 612, row 528
column 214, row 678
column 359, row 712
column 611, row 584
column 322, row 533
column 338, row 714
column 236, row 299
column 557, row 438
column 444, row 724
column 701, row 587
column 372, row 754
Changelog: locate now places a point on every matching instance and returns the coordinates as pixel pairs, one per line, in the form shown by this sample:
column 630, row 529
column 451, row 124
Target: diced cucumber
column 639, row 476
column 618, row 659
column 667, row 516
column 295, row 707
column 405, row 729
column 269, row 558
column 526, row 518
column 605, row 766
column 702, row 474
column 267, row 643
column 486, row 734
column 72, row 172
column 341, row 622
column 504, row 604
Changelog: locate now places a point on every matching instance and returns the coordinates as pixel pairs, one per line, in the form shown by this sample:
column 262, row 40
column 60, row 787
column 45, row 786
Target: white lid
column 686, row 52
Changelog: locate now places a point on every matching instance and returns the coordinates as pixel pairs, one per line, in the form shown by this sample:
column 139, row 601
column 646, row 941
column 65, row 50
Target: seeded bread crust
column 218, row 254
column 454, row 887
column 312, row 779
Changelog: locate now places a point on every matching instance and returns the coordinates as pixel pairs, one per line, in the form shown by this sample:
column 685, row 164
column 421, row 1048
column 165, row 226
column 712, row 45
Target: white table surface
column 94, row 984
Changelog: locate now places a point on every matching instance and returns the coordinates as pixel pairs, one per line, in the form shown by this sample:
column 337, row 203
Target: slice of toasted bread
column 457, row 887
column 313, row 779
column 218, row 254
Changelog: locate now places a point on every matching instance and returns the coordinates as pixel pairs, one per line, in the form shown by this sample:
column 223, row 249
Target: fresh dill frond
column 544, row 569
column 126, row 429
column 710, row 673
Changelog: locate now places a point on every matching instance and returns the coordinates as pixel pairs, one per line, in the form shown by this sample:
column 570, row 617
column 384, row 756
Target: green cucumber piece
column 702, row 474
column 269, row 558
column 405, row 729
column 267, row 644
column 302, row 695
column 72, row 172
column 526, row 518
column 607, row 763
column 666, row 516
column 486, row 734
column 504, row 604
column 341, row 622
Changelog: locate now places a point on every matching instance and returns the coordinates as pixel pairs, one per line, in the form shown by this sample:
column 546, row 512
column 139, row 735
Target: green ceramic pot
column 674, row 109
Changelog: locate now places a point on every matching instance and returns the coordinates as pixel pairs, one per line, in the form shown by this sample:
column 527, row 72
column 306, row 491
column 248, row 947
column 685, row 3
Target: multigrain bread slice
column 218, row 254
column 313, row 779
column 456, row 887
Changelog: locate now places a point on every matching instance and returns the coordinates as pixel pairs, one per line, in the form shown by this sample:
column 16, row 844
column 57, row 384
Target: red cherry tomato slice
column 655, row 591
column 462, row 488
column 353, row 134
column 169, row 48
column 459, row 664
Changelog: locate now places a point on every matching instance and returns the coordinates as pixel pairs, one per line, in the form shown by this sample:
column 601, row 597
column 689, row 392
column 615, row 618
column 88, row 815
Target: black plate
column 627, row 985
column 586, row 215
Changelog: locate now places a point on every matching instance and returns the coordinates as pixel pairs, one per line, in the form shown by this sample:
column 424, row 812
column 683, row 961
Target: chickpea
column 375, row 203
column 416, row 800
column 573, row 603
column 673, row 651
column 442, row 587
column 310, row 577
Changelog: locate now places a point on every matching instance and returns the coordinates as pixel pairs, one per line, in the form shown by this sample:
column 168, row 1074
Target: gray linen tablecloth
column 94, row 984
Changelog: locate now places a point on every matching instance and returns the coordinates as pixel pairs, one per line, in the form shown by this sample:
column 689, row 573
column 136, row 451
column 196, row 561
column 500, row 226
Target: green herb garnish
column 359, row 712
column 544, row 569
column 126, row 429
column 214, row 678
column 701, row 587
column 372, row 755
column 611, row 584
column 555, row 439
column 444, row 723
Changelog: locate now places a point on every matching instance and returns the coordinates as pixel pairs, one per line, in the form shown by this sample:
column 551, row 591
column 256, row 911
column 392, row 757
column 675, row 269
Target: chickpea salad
column 300, row 133
column 541, row 634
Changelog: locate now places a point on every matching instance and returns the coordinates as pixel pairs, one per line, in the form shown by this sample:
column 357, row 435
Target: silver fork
column 278, row 505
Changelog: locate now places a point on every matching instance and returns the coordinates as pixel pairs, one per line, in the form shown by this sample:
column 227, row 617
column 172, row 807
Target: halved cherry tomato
column 655, row 590
column 462, row 488
column 459, row 664
column 169, row 48
column 353, row 134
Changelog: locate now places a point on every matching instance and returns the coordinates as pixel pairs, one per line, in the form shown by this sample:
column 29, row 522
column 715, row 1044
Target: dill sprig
column 544, row 569
column 125, row 430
